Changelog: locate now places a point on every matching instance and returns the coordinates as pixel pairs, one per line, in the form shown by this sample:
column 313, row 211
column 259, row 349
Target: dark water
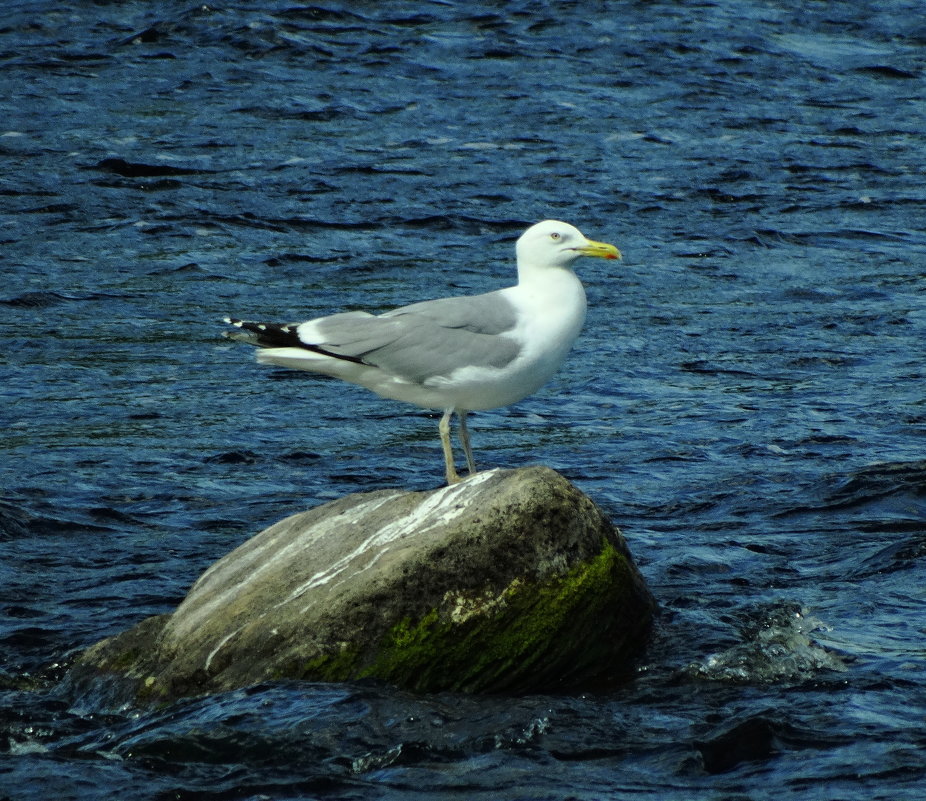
column 746, row 401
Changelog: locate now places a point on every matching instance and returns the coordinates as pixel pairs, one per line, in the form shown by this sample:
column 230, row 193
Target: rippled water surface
column 746, row 401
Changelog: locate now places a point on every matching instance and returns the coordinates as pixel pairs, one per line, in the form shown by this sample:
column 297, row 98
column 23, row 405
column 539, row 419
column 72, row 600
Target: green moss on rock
column 331, row 667
column 538, row 635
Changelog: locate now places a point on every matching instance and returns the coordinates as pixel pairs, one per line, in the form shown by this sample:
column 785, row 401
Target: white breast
column 551, row 312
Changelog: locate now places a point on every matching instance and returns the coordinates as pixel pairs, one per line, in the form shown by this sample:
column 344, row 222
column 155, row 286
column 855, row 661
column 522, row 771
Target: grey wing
column 425, row 340
column 482, row 314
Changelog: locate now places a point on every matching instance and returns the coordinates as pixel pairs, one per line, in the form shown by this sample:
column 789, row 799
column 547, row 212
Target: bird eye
column 556, row 237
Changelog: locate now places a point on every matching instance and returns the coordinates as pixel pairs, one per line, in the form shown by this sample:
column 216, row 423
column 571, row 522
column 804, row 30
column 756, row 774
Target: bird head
column 552, row 243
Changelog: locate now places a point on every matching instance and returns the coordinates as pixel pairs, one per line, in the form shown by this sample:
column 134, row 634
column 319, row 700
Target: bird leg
column 464, row 440
column 444, row 429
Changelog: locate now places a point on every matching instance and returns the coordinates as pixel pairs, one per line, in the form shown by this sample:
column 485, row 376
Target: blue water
column 746, row 401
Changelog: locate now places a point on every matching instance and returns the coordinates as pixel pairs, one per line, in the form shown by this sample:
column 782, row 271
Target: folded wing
column 416, row 343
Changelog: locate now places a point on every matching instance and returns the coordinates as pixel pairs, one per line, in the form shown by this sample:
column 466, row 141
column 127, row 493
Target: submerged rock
column 511, row 581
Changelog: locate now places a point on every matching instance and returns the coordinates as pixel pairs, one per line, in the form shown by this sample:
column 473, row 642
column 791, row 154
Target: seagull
column 458, row 354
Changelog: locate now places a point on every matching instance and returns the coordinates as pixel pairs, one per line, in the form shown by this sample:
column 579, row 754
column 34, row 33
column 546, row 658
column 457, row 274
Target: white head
column 552, row 243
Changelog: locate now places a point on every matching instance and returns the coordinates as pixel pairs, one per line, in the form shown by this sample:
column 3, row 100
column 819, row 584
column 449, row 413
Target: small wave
column 17, row 521
column 906, row 553
column 134, row 169
column 44, row 298
column 14, row 521
column 878, row 481
column 889, row 493
column 233, row 457
column 887, row 71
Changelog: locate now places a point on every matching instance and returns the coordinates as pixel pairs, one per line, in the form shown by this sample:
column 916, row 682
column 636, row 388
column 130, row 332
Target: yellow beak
column 600, row 249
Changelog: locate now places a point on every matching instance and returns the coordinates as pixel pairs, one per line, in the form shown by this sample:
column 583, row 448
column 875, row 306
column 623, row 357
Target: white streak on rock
column 218, row 648
column 242, row 569
column 250, row 561
column 439, row 508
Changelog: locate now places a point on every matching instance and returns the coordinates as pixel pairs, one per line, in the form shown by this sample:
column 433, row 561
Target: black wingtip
column 265, row 335
column 274, row 335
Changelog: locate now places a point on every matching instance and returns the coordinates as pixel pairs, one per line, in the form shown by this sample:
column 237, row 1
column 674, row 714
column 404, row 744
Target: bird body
column 456, row 354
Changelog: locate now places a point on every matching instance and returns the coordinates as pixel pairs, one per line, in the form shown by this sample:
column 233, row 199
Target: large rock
column 509, row 581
